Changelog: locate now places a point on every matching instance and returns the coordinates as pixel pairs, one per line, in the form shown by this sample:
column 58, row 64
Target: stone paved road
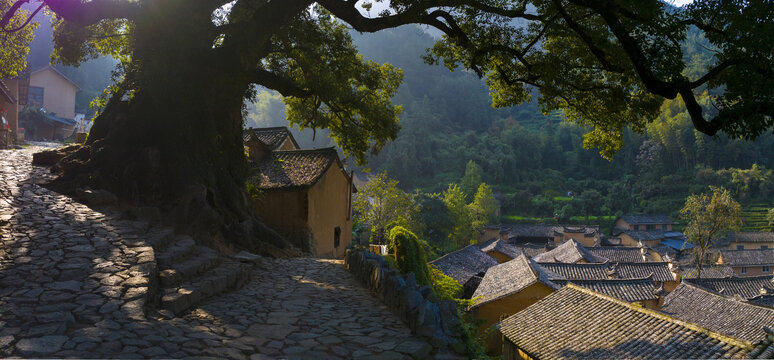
column 73, row 283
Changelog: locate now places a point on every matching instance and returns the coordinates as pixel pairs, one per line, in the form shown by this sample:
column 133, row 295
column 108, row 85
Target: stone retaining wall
column 432, row 319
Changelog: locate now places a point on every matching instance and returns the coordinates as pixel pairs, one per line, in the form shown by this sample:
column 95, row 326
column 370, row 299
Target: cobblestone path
column 74, row 282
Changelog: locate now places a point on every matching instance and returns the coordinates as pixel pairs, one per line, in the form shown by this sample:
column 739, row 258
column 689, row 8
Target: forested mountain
column 530, row 157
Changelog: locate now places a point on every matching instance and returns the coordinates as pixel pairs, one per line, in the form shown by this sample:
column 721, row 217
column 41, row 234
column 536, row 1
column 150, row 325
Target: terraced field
column 754, row 217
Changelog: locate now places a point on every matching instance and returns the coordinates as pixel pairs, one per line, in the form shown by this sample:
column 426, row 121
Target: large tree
column 709, row 217
column 170, row 130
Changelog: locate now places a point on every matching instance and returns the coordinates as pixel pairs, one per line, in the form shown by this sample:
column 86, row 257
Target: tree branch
column 598, row 53
column 92, row 12
column 284, row 86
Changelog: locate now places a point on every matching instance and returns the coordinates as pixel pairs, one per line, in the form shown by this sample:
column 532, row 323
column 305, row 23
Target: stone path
column 74, row 283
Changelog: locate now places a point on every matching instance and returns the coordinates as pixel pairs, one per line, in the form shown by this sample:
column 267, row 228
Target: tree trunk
column 176, row 141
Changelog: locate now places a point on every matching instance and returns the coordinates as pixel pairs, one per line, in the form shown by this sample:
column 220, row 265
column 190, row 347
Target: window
column 651, row 227
column 744, row 270
column 664, row 227
column 764, row 247
column 36, row 96
column 336, row 237
column 740, row 247
column 766, row 269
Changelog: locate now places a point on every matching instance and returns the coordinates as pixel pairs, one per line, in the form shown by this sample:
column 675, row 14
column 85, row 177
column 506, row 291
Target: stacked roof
column 746, row 287
column 273, row 137
column 707, row 272
column 534, row 232
column 722, row 314
column 293, row 168
column 509, row 278
column 646, row 219
column 501, row 247
column 578, row 271
column 577, row 323
column 531, row 250
column 462, row 264
column 630, row 290
column 753, row 237
column 658, row 271
column 569, row 252
column 618, row 253
column 748, row 257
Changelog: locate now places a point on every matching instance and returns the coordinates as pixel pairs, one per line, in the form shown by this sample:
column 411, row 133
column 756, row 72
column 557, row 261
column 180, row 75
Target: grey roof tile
column 462, row 264
column 569, row 252
column 577, row 323
column 722, row 314
column 746, row 287
column 747, row 257
column 292, row 168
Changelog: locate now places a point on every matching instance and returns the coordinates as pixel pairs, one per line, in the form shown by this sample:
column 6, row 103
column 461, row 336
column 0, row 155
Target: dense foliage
column 532, row 160
column 409, row 255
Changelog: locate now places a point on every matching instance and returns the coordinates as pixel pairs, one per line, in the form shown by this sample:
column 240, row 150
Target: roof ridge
column 329, row 148
column 727, row 297
column 720, row 337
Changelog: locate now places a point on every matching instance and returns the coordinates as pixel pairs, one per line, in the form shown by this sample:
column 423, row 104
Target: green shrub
column 409, row 255
column 444, row 287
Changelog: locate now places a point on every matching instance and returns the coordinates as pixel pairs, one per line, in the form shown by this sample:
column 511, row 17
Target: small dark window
column 35, row 97
column 744, row 270
column 764, row 247
column 336, row 236
column 766, row 269
column 663, row 227
column 740, row 247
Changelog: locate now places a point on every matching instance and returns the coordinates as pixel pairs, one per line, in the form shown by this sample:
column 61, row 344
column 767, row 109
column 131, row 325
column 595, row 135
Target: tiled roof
column 531, row 250
column 725, row 315
column 659, row 270
column 509, row 278
column 462, row 264
column 618, row 253
column 707, row 272
column 569, row 252
column 645, row 219
column 543, row 230
column 764, row 349
column 292, row 168
column 273, row 137
column 630, row 290
column 501, row 247
column 578, row 271
column 747, row 257
column 577, row 323
column 755, row 237
column 746, row 287
column 641, row 235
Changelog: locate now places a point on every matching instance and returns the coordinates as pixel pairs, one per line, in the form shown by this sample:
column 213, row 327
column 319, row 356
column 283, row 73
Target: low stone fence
column 432, row 319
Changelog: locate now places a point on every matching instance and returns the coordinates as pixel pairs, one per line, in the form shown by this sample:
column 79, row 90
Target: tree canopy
column 609, row 64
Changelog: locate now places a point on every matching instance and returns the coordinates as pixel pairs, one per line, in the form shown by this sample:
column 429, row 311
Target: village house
column 748, row 262
column 578, row 323
column 722, row 314
column 531, row 250
column 747, row 288
column 747, row 241
column 644, row 222
column 500, row 250
column 463, row 264
column 305, row 195
column 54, row 93
column 9, row 110
column 507, row 289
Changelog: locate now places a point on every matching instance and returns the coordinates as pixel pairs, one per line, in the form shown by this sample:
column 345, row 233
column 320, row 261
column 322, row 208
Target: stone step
column 182, row 247
column 201, row 260
column 160, row 238
column 228, row 275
